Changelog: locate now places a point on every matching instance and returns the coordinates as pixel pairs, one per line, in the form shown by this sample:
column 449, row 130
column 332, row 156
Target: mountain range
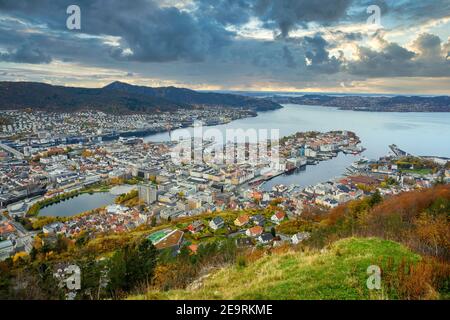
column 366, row 103
column 118, row 97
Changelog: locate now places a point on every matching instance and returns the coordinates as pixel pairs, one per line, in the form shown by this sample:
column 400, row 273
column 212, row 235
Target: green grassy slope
column 337, row 273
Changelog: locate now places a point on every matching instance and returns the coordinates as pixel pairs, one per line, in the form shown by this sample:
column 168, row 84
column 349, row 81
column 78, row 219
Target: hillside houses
column 216, row 223
column 278, row 217
column 242, row 220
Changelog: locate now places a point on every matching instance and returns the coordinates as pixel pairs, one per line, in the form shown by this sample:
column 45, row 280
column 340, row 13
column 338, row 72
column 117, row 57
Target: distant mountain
column 181, row 95
column 364, row 103
column 116, row 98
column 40, row 96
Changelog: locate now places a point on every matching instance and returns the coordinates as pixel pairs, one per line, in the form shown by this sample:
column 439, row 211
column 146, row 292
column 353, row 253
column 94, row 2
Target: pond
column 79, row 204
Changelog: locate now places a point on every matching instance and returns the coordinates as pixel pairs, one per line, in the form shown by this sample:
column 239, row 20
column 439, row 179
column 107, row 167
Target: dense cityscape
column 52, row 157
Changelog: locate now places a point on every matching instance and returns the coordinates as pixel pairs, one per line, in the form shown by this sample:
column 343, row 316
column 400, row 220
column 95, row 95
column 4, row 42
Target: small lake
column 82, row 203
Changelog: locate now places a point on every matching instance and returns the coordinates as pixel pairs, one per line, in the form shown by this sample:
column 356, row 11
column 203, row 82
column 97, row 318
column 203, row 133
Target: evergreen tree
column 131, row 266
column 117, row 272
column 375, row 198
column 273, row 232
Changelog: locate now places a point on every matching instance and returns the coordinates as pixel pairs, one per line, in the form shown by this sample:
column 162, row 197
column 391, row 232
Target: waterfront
column 312, row 174
column 415, row 132
column 79, row 204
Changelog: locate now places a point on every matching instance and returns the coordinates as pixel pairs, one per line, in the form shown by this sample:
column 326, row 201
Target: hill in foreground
column 338, row 272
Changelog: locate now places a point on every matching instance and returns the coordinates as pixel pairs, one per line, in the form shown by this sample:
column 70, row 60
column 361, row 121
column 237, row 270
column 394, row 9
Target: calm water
column 79, row 204
column 416, row 133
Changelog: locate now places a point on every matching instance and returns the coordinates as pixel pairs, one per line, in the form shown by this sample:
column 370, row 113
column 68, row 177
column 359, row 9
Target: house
column 19, row 246
column 115, row 209
column 254, row 231
column 265, row 238
column 196, row 226
column 258, row 219
column 242, row 220
column 6, row 229
column 6, row 249
column 193, row 248
column 299, row 237
column 278, row 217
column 216, row 223
column 327, row 202
column 281, row 240
column 167, row 239
column 244, row 242
column 53, row 228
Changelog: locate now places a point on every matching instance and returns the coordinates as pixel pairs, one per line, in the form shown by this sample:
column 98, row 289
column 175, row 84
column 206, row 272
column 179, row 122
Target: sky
column 250, row 45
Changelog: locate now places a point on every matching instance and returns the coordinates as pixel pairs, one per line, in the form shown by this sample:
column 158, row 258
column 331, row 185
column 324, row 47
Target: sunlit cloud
column 230, row 45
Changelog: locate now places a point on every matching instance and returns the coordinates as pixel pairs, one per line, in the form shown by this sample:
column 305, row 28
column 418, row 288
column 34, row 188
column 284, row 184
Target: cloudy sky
column 279, row 45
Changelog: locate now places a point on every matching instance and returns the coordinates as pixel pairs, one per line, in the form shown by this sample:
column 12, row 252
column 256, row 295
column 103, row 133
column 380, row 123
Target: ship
column 130, row 140
column 359, row 164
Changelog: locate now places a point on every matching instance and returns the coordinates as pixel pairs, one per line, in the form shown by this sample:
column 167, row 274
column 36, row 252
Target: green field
column 418, row 171
column 340, row 272
column 158, row 235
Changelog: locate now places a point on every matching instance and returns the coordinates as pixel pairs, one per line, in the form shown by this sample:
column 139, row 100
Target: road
column 16, row 153
column 25, row 236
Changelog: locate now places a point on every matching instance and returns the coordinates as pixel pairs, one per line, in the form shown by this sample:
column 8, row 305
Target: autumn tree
column 434, row 231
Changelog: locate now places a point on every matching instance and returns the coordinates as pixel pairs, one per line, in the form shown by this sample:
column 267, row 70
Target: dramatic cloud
column 428, row 60
column 317, row 56
column 226, row 12
column 146, row 32
column 26, row 54
column 414, row 12
column 428, row 45
column 287, row 14
column 300, row 44
column 288, row 57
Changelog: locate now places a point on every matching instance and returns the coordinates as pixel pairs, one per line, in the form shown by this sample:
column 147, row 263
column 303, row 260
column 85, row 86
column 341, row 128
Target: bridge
column 14, row 152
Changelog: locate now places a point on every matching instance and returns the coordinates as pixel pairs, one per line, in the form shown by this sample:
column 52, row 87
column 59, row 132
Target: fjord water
column 419, row 133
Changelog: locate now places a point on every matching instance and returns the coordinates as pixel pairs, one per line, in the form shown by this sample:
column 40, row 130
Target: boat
column 361, row 163
column 256, row 182
column 130, row 140
column 280, row 188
